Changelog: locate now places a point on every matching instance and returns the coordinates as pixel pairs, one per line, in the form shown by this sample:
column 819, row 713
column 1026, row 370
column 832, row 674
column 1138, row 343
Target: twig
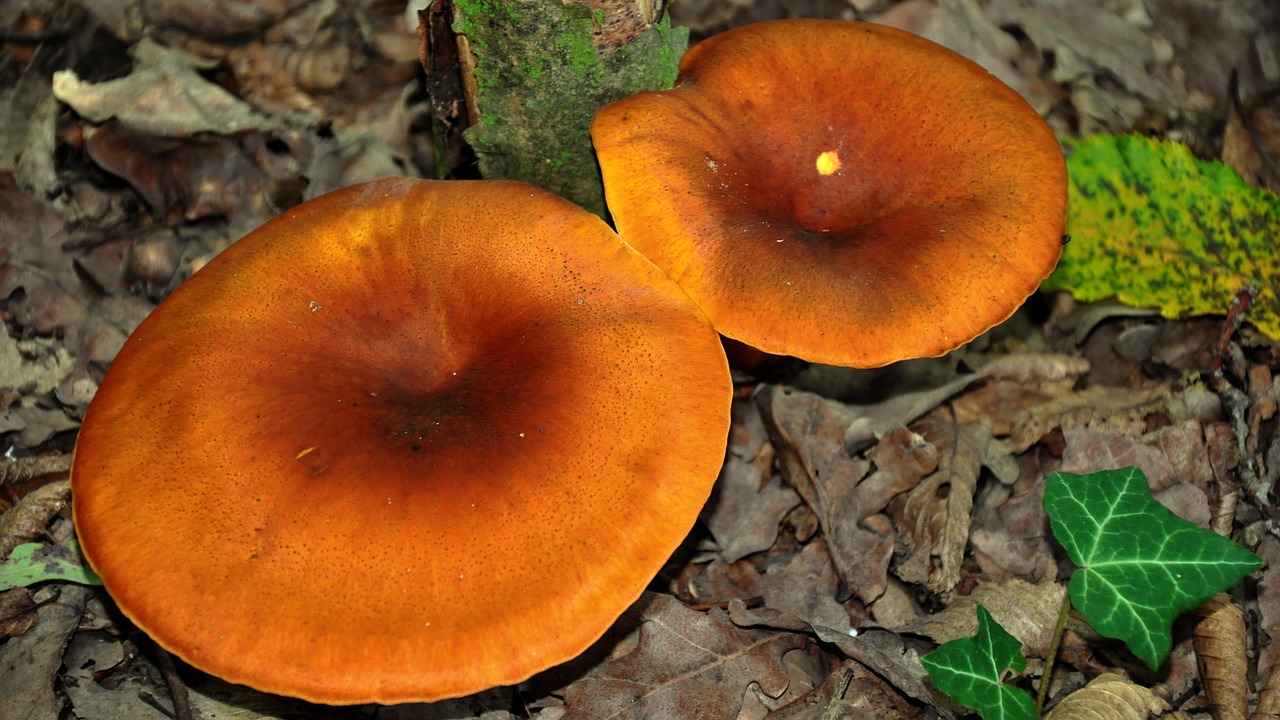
column 842, row 686
column 177, row 690
column 1235, row 318
column 1043, row 693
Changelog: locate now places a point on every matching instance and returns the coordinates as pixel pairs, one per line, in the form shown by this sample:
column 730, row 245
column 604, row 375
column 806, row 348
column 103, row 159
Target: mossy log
column 533, row 72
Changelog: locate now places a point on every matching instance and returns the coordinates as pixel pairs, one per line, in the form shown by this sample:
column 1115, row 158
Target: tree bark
column 531, row 75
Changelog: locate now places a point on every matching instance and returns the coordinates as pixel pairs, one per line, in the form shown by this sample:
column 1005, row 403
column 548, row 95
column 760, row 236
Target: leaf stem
column 1050, row 656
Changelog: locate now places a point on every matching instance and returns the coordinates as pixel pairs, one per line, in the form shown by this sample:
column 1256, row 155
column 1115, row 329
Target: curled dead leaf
column 266, row 82
column 164, row 96
column 1036, row 367
column 934, row 517
column 1028, row 611
column 1108, row 697
column 1219, row 637
column 1100, row 408
column 27, row 520
column 22, row 469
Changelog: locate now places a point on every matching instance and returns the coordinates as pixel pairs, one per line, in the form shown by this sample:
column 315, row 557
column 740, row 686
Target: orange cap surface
column 408, row 441
column 839, row 191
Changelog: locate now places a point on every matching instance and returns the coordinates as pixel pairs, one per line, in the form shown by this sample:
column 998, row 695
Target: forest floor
column 810, row 595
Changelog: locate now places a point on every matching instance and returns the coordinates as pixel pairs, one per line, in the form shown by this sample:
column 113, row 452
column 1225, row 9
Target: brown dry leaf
column 1108, row 697
column 684, row 664
column 1028, row 611
column 126, row 698
column 896, row 607
column 125, row 695
column 28, row 114
column 806, row 669
column 93, row 651
column 902, row 458
column 868, row 423
column 748, row 434
column 218, row 18
column 28, row 519
column 1187, row 448
column 32, row 365
column 324, row 63
column 266, row 83
column 804, row 585
column 744, row 512
column 1105, row 409
column 1268, row 706
column 872, row 543
column 31, row 660
column 1017, row 381
column 1210, row 40
column 717, row 582
column 1264, row 400
column 214, row 178
column 893, row 660
column 850, row 691
column 1220, row 652
column 1251, row 141
column 56, row 299
column 1010, row 531
column 764, row 617
column 1170, row 456
column 30, row 370
column 934, row 517
column 1184, row 490
column 1090, row 39
column 1269, row 610
column 1036, row 368
column 963, row 26
column 36, row 423
column 1077, row 321
column 999, row 402
column 16, row 612
column 164, row 96
column 808, row 434
column 794, row 590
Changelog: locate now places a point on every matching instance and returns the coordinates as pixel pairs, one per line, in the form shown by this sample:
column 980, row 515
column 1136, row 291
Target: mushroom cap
column 408, row 441
column 840, row 191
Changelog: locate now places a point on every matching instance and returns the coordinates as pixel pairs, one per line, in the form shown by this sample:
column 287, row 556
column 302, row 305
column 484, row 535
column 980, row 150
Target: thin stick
column 1054, row 644
column 177, row 690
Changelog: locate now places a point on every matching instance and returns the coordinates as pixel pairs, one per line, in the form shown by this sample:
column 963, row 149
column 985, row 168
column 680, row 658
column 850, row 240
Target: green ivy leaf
column 969, row 670
column 1141, row 566
column 1154, row 226
column 32, row 563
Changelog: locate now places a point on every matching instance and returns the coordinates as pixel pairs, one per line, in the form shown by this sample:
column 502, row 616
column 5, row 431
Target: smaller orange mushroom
column 406, row 442
column 839, row 191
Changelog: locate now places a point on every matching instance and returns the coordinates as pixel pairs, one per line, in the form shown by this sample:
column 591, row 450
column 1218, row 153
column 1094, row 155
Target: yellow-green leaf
column 1154, row 226
column 33, row 563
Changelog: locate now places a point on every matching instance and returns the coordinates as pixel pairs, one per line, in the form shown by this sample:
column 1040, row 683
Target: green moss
column 539, row 81
column 579, row 52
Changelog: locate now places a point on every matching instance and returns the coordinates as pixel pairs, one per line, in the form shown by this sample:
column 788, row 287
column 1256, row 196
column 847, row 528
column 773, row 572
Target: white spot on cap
column 828, row 162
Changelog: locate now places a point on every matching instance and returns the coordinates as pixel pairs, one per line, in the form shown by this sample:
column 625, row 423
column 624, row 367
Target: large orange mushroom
column 408, row 441
column 840, row 191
